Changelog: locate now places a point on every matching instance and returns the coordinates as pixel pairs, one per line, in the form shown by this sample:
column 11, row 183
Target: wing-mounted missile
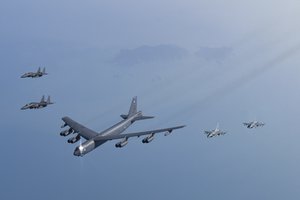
column 168, row 132
column 148, row 139
column 66, row 132
column 74, row 139
column 122, row 143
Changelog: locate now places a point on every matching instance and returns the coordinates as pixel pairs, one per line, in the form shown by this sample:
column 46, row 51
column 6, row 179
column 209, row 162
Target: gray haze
column 194, row 63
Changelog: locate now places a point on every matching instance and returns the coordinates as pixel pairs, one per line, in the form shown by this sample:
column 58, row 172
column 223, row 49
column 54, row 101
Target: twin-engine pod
column 66, row 132
column 148, row 139
column 122, row 143
column 74, row 139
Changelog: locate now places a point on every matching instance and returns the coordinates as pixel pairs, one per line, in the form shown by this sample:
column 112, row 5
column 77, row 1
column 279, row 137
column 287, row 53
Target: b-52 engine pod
column 123, row 143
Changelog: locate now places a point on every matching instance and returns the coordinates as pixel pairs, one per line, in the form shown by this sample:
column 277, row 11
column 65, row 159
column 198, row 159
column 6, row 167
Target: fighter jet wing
column 222, row 133
column 137, row 134
column 84, row 132
column 207, row 132
column 246, row 124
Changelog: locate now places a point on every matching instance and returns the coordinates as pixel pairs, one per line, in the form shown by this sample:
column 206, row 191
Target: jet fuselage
column 116, row 129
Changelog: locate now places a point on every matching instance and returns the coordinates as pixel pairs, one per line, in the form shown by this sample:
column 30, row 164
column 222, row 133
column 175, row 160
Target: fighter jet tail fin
column 218, row 125
column 43, row 99
column 39, row 70
column 44, row 70
column 49, row 100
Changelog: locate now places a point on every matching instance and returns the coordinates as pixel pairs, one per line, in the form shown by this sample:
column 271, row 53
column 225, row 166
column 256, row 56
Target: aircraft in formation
column 253, row 124
column 38, row 105
column 215, row 132
column 94, row 139
column 37, row 74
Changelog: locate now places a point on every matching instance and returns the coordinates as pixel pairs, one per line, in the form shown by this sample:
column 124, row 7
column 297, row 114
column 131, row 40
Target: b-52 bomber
column 37, row 74
column 38, row 105
column 94, row 139
column 215, row 132
column 254, row 124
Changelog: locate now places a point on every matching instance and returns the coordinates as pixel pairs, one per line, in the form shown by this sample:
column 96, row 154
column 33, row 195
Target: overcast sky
column 196, row 63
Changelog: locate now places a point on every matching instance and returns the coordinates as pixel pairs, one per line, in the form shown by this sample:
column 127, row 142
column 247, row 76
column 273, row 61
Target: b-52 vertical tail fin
column 133, row 107
column 133, row 110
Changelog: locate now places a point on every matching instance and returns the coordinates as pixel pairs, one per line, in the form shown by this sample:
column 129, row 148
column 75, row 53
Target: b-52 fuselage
column 94, row 139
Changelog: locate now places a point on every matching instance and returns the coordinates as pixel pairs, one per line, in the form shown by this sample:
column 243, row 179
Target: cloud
column 240, row 81
column 147, row 54
column 214, row 53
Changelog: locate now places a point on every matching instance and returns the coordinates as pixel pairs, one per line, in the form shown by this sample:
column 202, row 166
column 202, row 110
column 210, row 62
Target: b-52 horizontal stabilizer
column 138, row 118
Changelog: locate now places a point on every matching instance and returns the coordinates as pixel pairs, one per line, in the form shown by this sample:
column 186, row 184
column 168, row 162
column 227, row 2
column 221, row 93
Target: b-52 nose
column 77, row 152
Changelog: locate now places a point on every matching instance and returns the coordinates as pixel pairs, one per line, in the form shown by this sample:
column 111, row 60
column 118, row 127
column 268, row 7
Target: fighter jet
column 253, row 124
column 94, row 139
column 37, row 74
column 38, row 105
column 214, row 132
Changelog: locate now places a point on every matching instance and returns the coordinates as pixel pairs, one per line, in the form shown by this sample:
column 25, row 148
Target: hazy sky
column 252, row 73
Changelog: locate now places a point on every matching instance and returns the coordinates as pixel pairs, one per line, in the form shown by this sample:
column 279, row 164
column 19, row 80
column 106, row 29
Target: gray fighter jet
column 37, row 74
column 253, row 124
column 38, row 105
column 215, row 132
column 94, row 139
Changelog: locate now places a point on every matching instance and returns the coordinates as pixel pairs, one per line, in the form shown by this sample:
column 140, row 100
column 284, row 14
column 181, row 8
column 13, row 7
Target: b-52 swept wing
column 94, row 139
